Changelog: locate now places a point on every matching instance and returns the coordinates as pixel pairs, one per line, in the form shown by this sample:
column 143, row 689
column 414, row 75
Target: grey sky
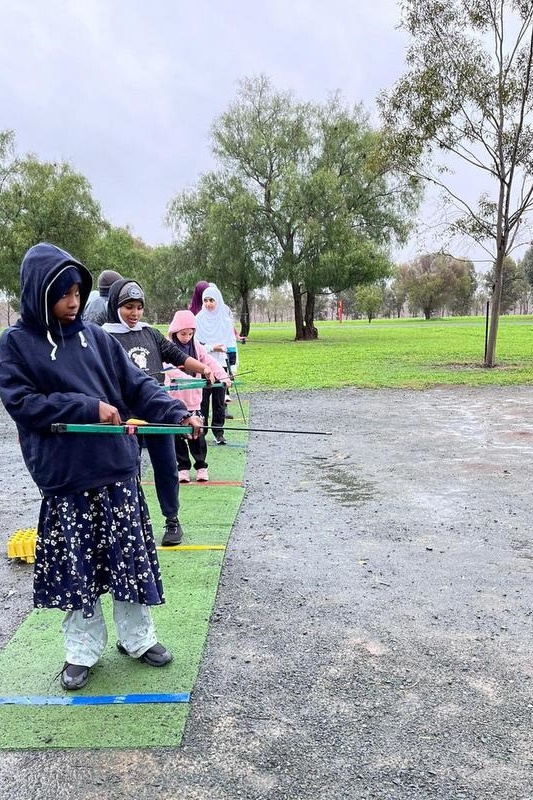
column 127, row 90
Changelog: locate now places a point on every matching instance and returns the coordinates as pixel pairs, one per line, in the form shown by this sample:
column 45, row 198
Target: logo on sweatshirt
column 139, row 356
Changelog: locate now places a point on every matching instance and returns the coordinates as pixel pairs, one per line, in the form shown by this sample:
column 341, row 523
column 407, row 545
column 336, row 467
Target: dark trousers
column 163, row 457
column 197, row 449
column 217, row 396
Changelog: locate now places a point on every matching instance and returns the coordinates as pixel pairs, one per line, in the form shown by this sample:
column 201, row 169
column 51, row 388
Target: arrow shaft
column 277, row 430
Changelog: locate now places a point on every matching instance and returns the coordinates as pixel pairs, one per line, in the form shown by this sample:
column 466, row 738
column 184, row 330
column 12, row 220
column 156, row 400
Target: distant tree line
column 434, row 284
column 303, row 197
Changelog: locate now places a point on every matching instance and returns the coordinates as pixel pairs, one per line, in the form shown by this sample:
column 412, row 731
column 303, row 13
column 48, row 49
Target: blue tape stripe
column 96, row 700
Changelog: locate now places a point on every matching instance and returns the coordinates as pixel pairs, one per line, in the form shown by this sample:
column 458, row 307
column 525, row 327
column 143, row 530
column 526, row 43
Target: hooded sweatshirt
column 144, row 345
column 191, row 397
column 52, row 373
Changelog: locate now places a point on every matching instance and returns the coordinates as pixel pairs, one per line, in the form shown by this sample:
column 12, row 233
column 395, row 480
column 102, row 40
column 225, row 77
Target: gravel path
column 372, row 631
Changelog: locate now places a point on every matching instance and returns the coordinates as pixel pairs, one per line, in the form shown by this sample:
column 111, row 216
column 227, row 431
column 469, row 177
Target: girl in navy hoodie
column 94, row 534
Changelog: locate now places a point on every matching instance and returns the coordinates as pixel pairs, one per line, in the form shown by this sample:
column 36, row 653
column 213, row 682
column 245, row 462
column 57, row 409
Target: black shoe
column 219, row 439
column 73, row 676
column 173, row 533
column 156, row 656
column 227, row 415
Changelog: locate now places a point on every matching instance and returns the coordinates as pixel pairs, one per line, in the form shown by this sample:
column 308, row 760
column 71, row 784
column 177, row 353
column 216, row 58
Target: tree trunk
column 495, row 310
column 298, row 315
column 310, row 330
column 245, row 315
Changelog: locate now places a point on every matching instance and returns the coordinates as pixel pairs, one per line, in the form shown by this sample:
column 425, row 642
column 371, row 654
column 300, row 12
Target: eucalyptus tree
column 467, row 100
column 324, row 205
column 515, row 285
column 157, row 269
column 369, row 300
column 465, row 283
column 166, row 282
column 8, row 162
column 527, row 262
column 396, row 292
column 118, row 249
column 221, row 239
column 273, row 304
column 436, row 281
column 42, row 201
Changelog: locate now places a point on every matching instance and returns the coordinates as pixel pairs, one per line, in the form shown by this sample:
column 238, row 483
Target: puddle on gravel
column 523, row 548
column 340, row 482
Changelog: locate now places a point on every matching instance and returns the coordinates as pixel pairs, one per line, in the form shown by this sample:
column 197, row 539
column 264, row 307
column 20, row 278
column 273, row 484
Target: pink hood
column 182, row 320
column 191, row 397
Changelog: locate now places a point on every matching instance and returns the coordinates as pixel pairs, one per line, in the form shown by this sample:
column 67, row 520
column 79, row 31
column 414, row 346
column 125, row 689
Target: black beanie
column 130, row 291
column 106, row 279
column 62, row 283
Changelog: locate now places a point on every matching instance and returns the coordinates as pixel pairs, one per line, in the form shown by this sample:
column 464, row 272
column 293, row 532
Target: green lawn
column 405, row 353
column 396, row 353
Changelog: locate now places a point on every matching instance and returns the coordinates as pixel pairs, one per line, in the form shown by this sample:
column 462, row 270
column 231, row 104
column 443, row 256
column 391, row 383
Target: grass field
column 404, row 353
column 394, row 353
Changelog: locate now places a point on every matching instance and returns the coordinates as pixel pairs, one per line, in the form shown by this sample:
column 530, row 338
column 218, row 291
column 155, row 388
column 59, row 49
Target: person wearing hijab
column 196, row 299
column 148, row 349
column 195, row 306
column 214, row 329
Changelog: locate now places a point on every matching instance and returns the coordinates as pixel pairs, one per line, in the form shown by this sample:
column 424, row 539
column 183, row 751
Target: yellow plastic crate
column 22, row 545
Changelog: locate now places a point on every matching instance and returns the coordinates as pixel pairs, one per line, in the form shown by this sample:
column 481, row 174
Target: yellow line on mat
column 194, row 547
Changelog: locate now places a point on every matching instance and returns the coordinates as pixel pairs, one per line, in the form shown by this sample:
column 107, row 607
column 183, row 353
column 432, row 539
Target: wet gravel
column 372, row 631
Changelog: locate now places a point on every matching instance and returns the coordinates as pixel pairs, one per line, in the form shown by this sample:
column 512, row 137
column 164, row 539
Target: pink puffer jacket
column 191, row 397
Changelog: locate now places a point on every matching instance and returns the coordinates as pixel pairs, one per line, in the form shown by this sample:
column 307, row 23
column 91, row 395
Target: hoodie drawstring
column 83, row 342
column 54, row 345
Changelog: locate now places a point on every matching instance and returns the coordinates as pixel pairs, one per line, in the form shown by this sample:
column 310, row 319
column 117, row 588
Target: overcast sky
column 126, row 90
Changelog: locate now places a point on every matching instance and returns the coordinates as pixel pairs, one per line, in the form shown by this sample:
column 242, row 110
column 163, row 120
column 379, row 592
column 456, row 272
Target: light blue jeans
column 86, row 637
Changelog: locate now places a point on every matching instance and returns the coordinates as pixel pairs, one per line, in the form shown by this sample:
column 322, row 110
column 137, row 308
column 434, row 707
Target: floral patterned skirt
column 93, row 542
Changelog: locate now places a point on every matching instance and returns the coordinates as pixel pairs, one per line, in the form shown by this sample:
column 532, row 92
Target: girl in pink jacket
column 181, row 332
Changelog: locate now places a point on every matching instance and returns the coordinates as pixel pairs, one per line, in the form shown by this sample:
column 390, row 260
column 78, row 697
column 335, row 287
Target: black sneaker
column 219, row 439
column 173, row 533
column 228, row 415
column 156, row 656
column 73, row 676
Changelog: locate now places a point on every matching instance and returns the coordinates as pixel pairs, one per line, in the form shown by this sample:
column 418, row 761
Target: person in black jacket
column 148, row 349
column 94, row 533
column 96, row 308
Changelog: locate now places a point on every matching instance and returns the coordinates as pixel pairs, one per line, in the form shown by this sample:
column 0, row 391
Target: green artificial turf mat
column 35, row 654
column 203, row 507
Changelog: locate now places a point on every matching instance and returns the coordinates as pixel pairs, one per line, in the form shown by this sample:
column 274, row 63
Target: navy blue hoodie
column 59, row 373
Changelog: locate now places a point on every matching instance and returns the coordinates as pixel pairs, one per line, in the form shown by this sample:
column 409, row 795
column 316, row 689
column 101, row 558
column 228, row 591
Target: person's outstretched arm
column 175, row 355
